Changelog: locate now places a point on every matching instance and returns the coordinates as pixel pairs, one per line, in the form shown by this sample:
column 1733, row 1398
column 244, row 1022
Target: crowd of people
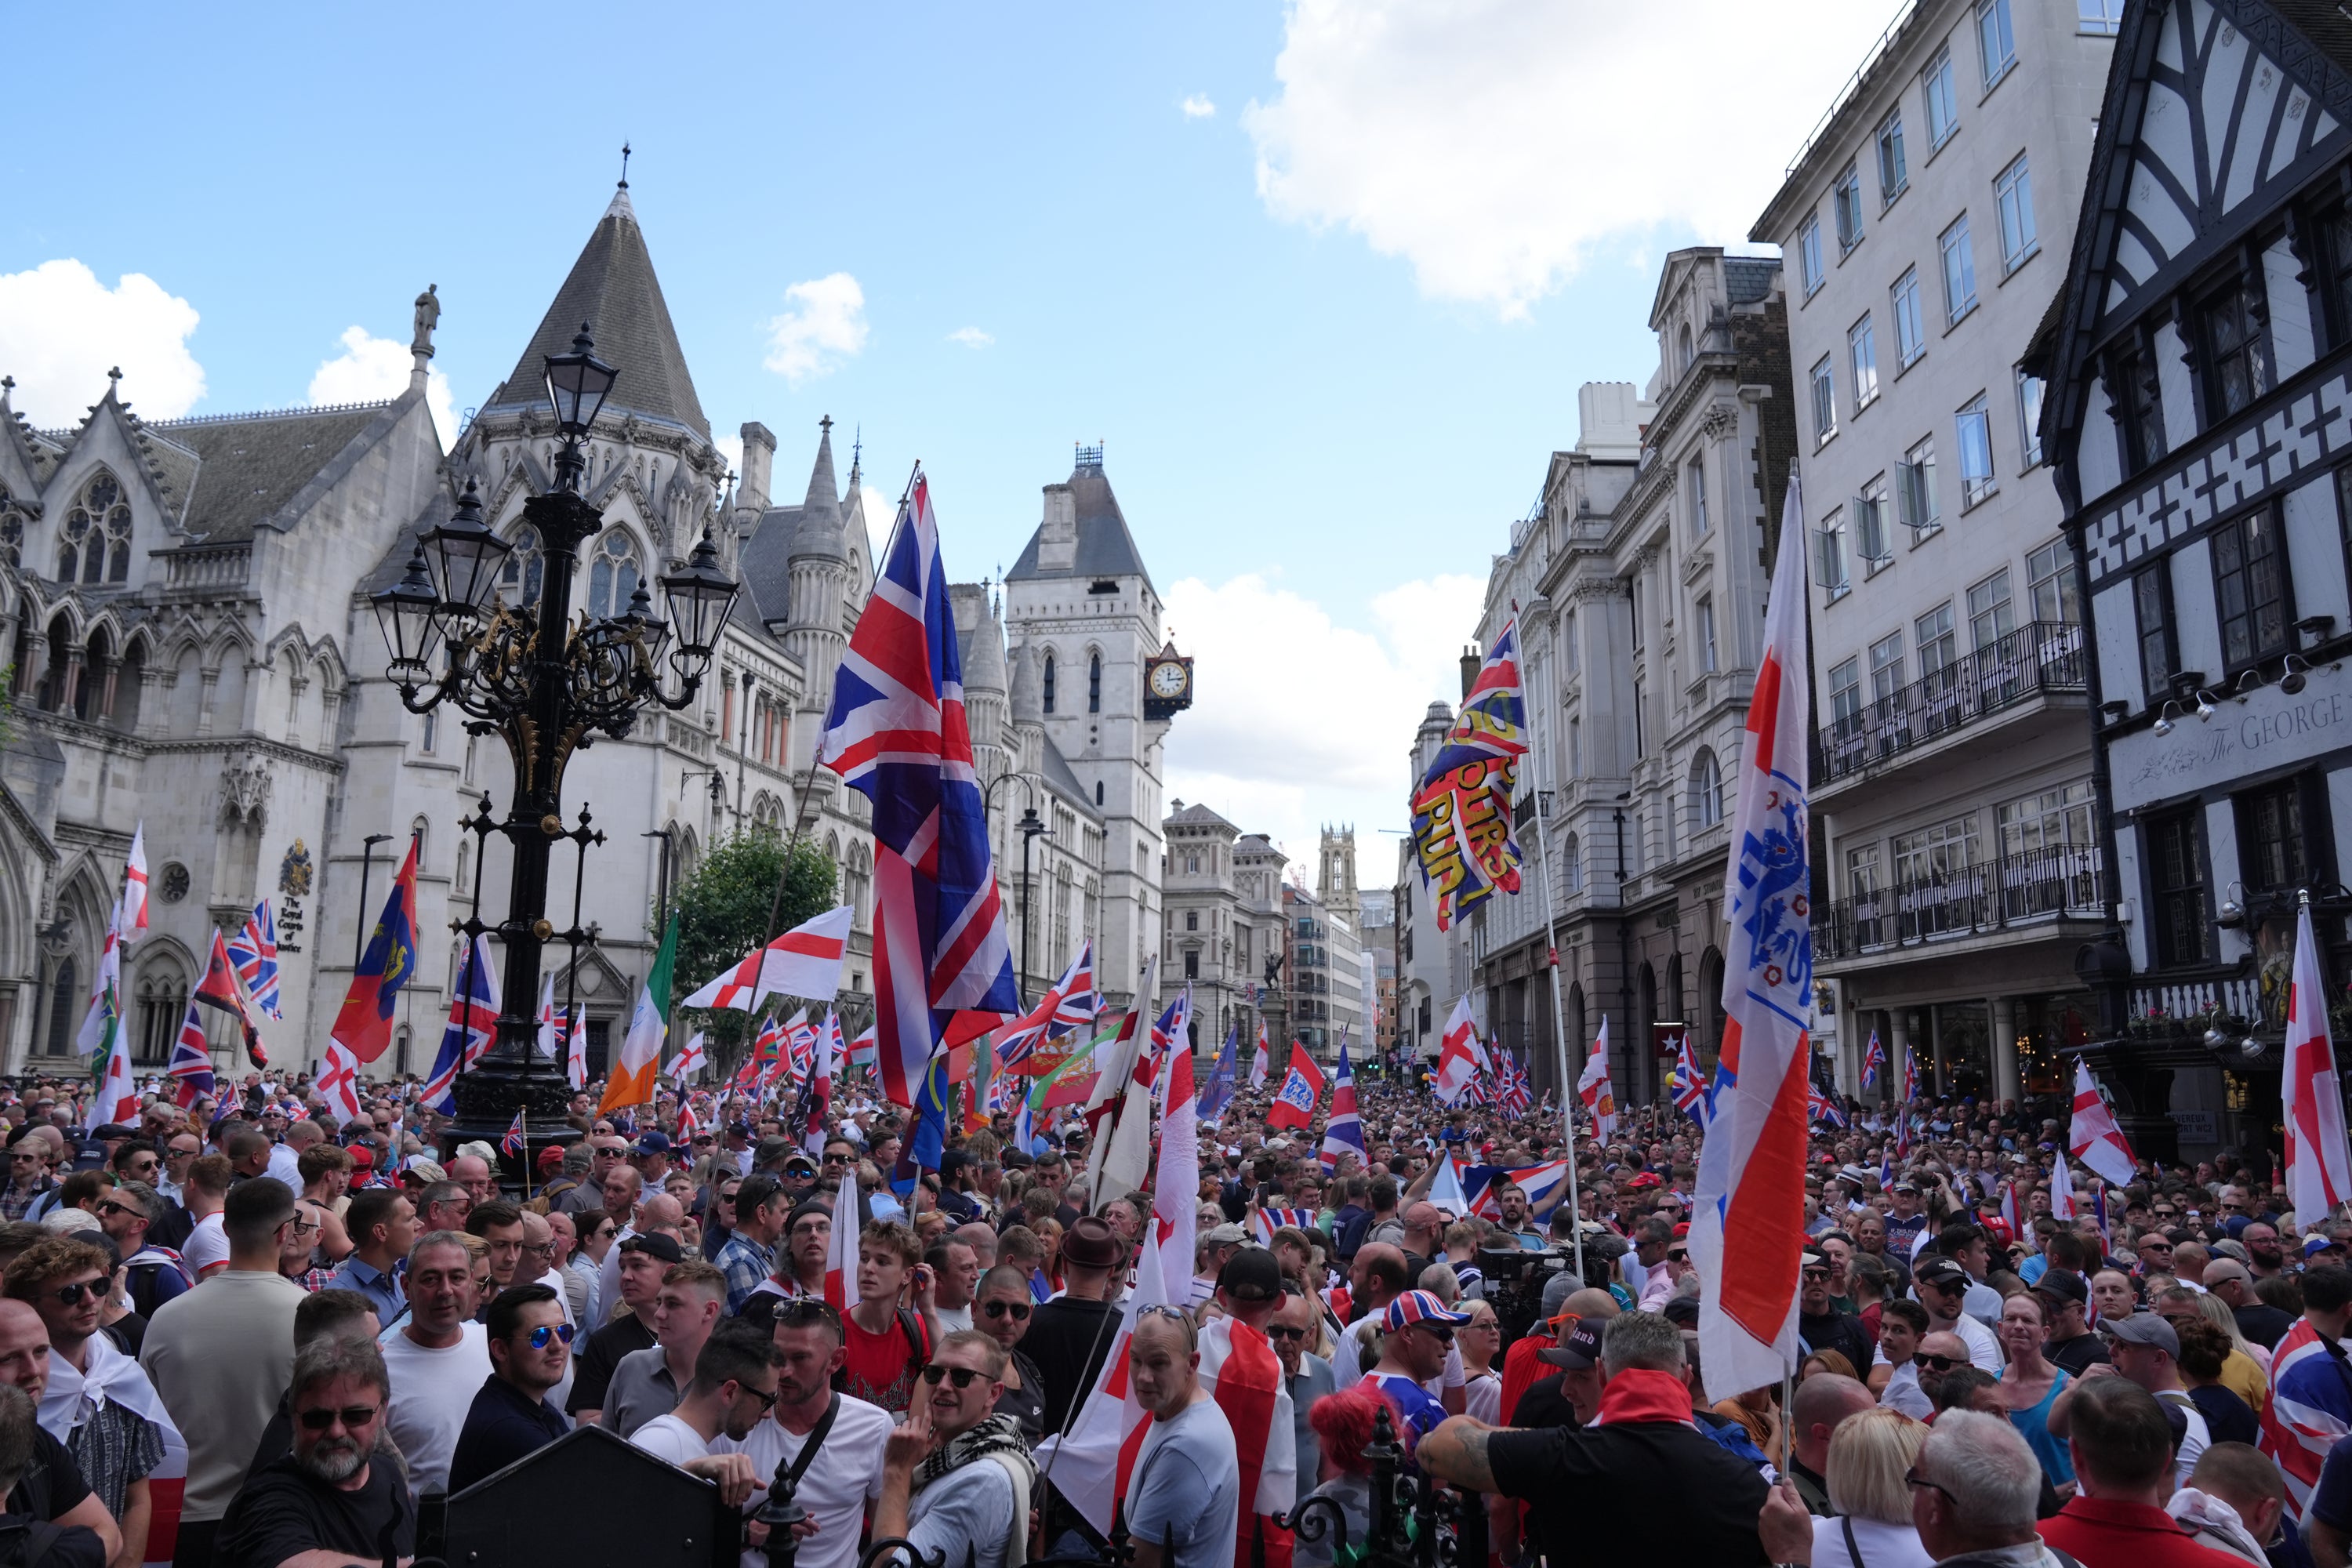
column 248, row 1334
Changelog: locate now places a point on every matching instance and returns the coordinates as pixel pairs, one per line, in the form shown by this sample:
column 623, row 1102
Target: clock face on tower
column 1168, row 679
column 1166, row 685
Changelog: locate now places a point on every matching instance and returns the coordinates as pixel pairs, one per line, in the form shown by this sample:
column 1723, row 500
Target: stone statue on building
column 428, row 316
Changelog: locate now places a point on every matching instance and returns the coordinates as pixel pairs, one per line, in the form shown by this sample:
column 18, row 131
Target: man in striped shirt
column 2311, row 1386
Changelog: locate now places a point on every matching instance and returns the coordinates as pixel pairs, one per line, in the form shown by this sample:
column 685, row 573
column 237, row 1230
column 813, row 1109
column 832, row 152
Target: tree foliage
column 722, row 914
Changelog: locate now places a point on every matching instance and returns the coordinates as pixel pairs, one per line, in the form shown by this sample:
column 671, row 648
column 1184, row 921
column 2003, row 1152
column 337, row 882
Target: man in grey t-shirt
column 1185, row 1494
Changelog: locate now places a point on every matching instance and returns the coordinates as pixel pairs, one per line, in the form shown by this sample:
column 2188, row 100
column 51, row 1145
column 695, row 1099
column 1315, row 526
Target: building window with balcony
column 2159, row 659
column 2050, row 576
column 1932, row 635
column 1991, row 614
column 1845, row 697
column 1933, row 854
column 2249, row 589
column 2140, row 408
column 1845, row 199
column 2029, row 388
column 1886, row 667
column 1825, row 393
column 1861, row 353
column 1995, row 43
column 1870, row 525
column 1698, row 497
column 2176, row 875
column 1830, row 552
column 1910, row 331
column 2012, row 191
column 2272, row 844
column 1942, row 101
column 1915, row 490
column 1892, row 173
column 1959, row 271
column 1978, row 481
column 2237, row 359
column 1809, row 255
column 2047, row 820
column 1703, row 613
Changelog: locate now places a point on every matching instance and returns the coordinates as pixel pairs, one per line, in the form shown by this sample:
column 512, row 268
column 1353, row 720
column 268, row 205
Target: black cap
column 1579, row 1350
column 659, row 1243
column 1251, row 1275
column 1940, row 1271
column 2064, row 1284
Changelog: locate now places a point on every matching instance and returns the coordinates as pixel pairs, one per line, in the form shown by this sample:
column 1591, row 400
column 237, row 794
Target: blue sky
column 1324, row 278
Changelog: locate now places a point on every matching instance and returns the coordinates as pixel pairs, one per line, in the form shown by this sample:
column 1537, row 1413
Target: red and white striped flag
column 2318, row 1162
column 840, row 1254
column 803, row 962
column 1748, row 1219
column 2094, row 1138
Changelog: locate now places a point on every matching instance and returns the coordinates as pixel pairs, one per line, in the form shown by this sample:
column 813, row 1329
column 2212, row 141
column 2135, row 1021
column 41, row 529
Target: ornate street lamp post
column 547, row 684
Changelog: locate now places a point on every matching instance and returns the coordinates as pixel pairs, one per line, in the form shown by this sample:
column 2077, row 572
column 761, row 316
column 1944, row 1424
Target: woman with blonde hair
column 1870, row 1455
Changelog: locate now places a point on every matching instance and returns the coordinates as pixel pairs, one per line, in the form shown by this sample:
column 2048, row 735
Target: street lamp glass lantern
column 577, row 384
column 406, row 613
column 465, row 558
column 698, row 596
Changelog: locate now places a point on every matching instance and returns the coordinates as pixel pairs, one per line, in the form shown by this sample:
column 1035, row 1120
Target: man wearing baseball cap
column 2065, row 1299
column 1417, row 1348
column 1942, row 1286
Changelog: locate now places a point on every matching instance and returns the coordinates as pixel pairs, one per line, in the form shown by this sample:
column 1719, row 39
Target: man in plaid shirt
column 749, row 1255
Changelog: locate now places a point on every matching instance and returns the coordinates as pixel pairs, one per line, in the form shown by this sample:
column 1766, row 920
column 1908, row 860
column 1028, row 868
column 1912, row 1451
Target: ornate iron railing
column 2040, row 886
column 2037, row 659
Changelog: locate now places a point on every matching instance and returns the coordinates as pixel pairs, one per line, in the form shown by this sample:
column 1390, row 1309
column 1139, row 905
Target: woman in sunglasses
column 1001, row 1311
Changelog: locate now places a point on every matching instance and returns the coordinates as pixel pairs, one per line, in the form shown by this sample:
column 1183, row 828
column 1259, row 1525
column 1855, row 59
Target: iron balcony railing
column 2035, row 660
column 2029, row 889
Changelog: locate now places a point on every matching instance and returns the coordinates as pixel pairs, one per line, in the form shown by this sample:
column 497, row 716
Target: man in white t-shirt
column 205, row 1251
column 734, row 1383
column 1942, row 1286
column 2147, row 1350
column 981, row 1497
column 437, row 1359
column 843, row 1475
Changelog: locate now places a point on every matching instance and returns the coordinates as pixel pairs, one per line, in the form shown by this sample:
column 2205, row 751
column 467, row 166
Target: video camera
column 1512, row 1280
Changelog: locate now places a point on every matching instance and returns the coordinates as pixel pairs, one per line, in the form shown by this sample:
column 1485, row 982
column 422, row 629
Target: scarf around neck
column 999, row 1435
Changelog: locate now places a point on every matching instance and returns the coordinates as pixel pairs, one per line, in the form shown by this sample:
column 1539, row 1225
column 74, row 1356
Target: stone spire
column 819, row 533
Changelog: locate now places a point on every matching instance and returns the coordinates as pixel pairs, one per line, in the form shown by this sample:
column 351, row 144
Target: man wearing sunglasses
column 531, row 1347
column 1296, row 1327
column 1242, row 1374
column 833, row 1442
column 1416, row 1349
column 955, row 1474
column 327, row 1501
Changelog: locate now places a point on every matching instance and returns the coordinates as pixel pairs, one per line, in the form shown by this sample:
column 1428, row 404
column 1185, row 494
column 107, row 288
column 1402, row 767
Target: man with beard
column 955, row 1474
column 831, row 1442
column 2265, row 1257
column 328, row 1496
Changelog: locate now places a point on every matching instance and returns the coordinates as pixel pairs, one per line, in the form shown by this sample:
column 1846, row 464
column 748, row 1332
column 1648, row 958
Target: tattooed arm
column 1456, row 1452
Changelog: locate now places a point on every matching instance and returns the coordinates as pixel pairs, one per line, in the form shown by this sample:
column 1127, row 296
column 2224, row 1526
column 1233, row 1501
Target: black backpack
column 30, row 1543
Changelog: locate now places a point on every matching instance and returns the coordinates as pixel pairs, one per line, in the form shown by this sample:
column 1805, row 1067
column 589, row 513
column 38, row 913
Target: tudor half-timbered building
column 2200, row 417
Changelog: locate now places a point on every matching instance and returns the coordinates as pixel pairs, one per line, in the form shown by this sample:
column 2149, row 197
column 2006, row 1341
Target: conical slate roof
column 819, row 533
column 1106, row 548
column 612, row 288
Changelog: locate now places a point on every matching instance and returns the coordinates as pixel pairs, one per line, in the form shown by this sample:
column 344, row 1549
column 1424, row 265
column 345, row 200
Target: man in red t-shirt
column 887, row 1336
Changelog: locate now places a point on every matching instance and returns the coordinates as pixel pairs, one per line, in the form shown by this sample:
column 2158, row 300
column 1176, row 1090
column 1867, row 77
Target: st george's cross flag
column 1592, row 1088
column 803, row 962
column 897, row 733
column 1460, row 1054
column 118, row 1092
column 2062, row 1189
column 1749, row 1211
column 2094, row 1138
column 1263, row 1063
column 1344, row 1133
column 841, row 1253
column 2311, row 1092
column 472, row 1028
column 1294, row 1104
column 691, row 1060
column 339, row 1082
column 134, row 887
column 1092, row 1459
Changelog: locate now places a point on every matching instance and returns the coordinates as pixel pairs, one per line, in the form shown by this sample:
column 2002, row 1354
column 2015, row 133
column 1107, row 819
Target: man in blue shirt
column 382, row 1227
column 529, row 1344
column 1419, row 1347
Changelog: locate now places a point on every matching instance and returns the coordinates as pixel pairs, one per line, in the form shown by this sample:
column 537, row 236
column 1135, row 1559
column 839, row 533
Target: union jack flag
column 800, row 1045
column 897, row 733
column 1903, row 1131
column 688, row 1124
column 516, row 1143
column 192, row 1060
column 1518, row 1095
column 1690, row 1083
column 1071, row 1002
column 1820, row 1107
column 1873, row 1057
column 254, row 951
column 1268, row 1221
column 473, row 1026
column 1910, row 1075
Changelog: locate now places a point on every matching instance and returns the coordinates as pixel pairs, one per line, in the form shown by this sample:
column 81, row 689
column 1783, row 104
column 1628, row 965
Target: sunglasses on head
column 352, row 1416
column 1017, row 1310
column 803, row 1310
column 962, row 1374
column 546, row 1332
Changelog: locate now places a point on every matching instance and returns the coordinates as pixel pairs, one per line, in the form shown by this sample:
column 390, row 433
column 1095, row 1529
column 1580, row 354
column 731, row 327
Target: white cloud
column 1298, row 721
column 1493, row 144
column 731, row 448
column 61, row 329
column 971, row 337
column 1198, row 107
column 375, row 369
column 823, row 324
column 881, row 511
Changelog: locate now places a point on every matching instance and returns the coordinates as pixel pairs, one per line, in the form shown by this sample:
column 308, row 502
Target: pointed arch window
column 12, row 531
column 1049, row 681
column 613, row 575
column 1098, row 791
column 94, row 542
column 526, row 568
column 1094, row 684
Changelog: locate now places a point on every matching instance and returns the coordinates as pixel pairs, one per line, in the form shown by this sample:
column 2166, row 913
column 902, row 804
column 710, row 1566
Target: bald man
column 1821, row 1402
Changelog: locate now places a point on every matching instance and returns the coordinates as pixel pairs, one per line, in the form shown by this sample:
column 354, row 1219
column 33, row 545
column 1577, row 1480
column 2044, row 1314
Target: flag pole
column 523, row 1118
column 1551, row 964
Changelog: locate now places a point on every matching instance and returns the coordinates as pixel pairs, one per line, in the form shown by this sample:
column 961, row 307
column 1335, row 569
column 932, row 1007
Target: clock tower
column 1080, row 608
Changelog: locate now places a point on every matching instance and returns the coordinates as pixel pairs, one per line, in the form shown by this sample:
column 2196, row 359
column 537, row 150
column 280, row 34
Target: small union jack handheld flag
column 517, row 1141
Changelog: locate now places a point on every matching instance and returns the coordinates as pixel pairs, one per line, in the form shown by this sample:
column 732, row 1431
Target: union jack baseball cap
column 1420, row 1307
